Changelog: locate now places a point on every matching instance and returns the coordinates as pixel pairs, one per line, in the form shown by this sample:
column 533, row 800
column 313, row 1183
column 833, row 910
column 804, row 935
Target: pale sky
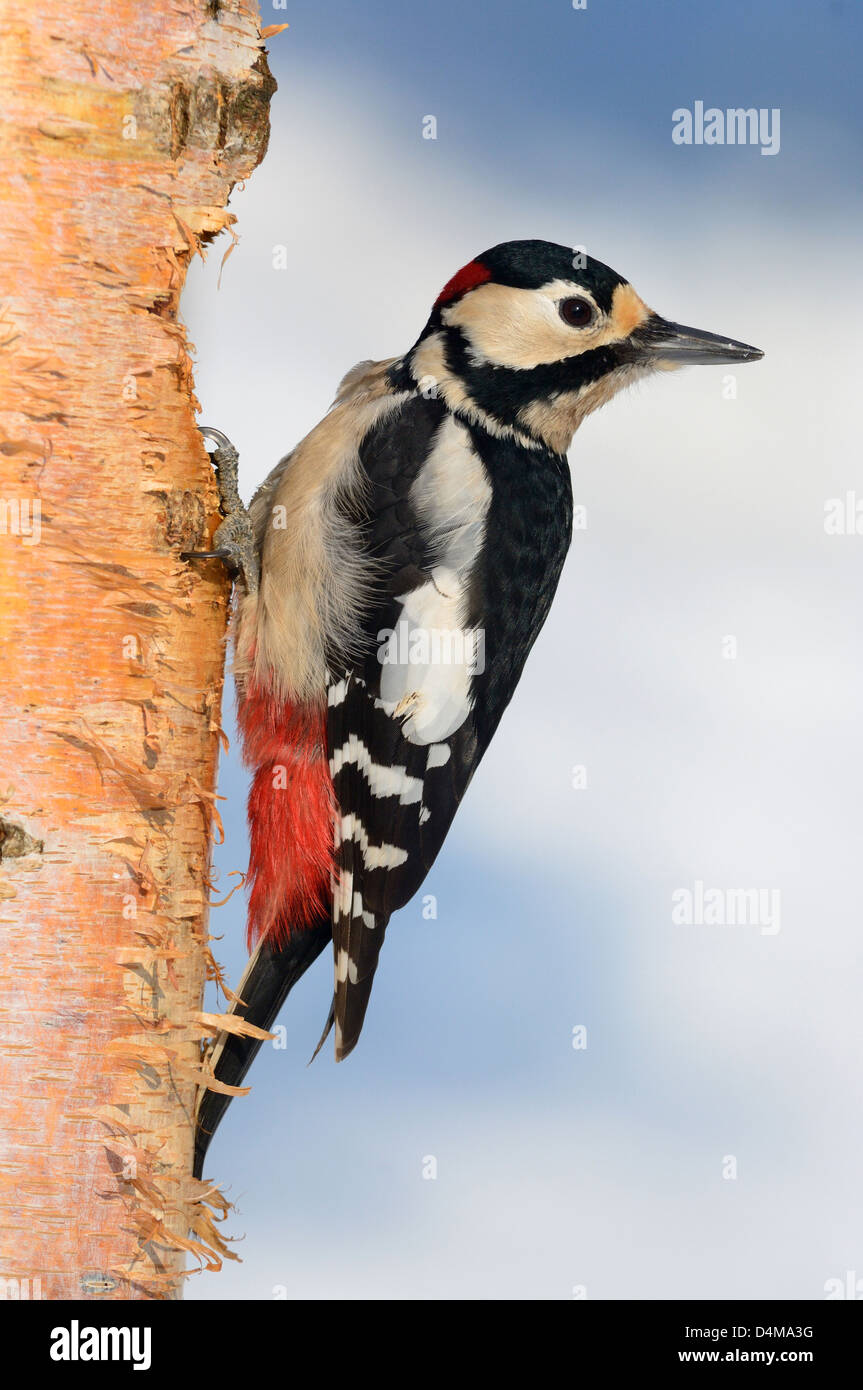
column 711, row 1049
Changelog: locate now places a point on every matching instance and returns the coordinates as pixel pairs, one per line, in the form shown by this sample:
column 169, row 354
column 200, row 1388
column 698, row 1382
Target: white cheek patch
column 429, row 659
column 519, row 328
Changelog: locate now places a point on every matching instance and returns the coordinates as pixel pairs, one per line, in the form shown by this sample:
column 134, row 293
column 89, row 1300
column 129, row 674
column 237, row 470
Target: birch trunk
column 125, row 125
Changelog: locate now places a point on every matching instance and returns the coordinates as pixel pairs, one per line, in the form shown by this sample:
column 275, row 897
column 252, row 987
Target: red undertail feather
column 291, row 810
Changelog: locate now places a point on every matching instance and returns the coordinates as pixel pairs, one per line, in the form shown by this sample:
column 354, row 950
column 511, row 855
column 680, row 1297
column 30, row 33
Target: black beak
column 659, row 341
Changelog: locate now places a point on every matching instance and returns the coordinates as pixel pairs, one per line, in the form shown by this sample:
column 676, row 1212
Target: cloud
column 704, row 521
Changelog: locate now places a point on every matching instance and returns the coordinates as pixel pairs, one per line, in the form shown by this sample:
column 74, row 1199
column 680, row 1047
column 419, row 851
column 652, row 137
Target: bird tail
column 271, row 973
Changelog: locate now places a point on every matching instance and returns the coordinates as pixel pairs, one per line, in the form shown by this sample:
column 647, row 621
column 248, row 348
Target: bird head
column 530, row 337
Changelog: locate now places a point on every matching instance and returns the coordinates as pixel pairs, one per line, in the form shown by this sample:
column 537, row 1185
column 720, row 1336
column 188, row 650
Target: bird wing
column 407, row 725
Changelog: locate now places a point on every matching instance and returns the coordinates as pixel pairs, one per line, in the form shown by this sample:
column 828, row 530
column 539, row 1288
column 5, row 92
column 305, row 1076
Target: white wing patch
column 430, row 657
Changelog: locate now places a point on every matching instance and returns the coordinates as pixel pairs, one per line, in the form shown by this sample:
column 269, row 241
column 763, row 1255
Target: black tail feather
column 328, row 1028
column 270, row 975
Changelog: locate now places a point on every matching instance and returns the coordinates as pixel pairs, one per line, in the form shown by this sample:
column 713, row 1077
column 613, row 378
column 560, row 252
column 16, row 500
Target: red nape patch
column 291, row 810
column 470, row 275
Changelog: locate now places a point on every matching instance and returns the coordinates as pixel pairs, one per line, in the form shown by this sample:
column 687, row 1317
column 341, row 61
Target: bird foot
column 234, row 541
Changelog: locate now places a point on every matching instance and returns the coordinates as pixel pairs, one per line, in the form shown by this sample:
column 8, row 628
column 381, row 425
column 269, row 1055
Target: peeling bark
column 125, row 127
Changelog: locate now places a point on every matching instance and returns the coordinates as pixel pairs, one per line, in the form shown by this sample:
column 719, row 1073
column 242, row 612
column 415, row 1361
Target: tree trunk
column 126, row 124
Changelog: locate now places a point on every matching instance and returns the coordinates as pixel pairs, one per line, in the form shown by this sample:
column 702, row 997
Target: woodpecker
column 393, row 573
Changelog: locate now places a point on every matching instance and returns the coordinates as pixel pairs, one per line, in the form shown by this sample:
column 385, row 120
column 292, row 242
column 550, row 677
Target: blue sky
column 602, row 1168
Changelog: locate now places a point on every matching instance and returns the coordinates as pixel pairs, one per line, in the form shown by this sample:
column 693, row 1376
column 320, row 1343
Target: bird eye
column 578, row 313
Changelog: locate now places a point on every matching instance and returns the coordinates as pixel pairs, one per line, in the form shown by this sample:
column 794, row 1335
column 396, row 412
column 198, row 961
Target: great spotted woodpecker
column 394, row 571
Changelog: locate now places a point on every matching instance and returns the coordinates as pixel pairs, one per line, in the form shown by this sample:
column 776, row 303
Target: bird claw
column 234, row 542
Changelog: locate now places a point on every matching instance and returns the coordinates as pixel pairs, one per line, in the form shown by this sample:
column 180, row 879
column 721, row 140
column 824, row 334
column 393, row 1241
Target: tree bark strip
column 125, row 124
